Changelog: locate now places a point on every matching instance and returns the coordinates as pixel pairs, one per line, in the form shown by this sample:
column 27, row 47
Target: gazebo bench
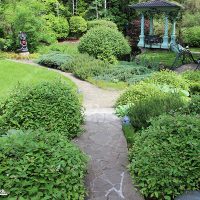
column 153, row 40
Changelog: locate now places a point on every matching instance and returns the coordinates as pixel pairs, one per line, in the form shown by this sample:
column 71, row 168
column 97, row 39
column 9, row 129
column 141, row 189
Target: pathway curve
column 104, row 142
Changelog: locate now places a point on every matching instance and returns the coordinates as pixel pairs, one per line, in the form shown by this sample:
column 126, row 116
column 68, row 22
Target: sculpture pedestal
column 24, row 54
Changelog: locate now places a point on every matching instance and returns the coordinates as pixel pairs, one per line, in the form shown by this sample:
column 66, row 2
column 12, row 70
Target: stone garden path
column 104, row 142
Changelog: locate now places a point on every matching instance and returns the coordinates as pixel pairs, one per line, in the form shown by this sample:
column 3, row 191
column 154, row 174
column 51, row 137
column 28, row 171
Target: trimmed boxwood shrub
column 142, row 111
column 165, row 157
column 191, row 36
column 54, row 59
column 137, row 93
column 104, row 43
column 40, row 165
column 53, row 106
column 78, row 26
column 101, row 22
column 170, row 78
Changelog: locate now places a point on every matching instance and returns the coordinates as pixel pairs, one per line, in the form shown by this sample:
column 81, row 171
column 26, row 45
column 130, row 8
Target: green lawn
column 12, row 73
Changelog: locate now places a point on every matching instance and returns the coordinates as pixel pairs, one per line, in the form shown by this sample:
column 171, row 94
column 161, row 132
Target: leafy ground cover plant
column 54, row 59
column 125, row 72
column 164, row 158
column 104, row 43
column 53, row 106
column 41, row 165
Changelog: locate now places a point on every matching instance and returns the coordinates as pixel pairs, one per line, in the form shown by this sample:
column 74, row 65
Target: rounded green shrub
column 54, row 59
column 137, row 93
column 40, row 165
column 191, row 36
column 165, row 157
column 193, row 78
column 170, row 78
column 53, row 106
column 104, row 43
column 78, row 26
column 59, row 25
column 142, row 111
column 101, row 22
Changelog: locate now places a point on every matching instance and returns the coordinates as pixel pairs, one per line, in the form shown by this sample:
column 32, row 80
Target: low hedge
column 164, row 160
column 166, row 77
column 193, row 78
column 84, row 66
column 54, row 59
column 142, row 111
column 40, row 165
column 53, row 106
column 137, row 93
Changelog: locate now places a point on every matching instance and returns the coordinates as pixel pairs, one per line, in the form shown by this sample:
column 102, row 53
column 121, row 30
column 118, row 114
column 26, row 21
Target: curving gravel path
column 104, row 142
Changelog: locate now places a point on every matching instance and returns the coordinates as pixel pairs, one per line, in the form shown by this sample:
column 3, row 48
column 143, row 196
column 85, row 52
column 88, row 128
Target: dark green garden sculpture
column 23, row 42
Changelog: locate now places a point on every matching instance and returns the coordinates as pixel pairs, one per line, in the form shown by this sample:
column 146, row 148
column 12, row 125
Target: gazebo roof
column 155, row 4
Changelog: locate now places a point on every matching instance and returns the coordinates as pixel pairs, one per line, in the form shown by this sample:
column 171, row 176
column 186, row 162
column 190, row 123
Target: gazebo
column 150, row 9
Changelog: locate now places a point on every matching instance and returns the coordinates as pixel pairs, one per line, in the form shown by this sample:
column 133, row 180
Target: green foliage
column 194, row 106
column 129, row 133
column 191, row 36
column 101, row 22
column 54, row 59
column 157, row 59
column 104, row 43
column 53, row 106
column 137, row 93
column 84, row 66
column 59, row 25
column 164, row 158
column 41, row 165
column 170, row 78
column 78, row 26
column 193, row 78
column 123, row 110
column 142, row 111
column 125, row 72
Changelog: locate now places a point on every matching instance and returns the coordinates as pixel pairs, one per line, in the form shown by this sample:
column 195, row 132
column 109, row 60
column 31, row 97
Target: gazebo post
column 141, row 42
column 165, row 44
column 151, row 32
column 173, row 35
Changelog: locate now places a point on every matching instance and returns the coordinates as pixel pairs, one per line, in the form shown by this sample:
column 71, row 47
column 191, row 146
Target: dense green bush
column 53, row 106
column 194, row 105
column 84, row 66
column 191, row 36
column 78, row 26
column 54, row 59
column 165, row 157
column 41, row 165
column 104, row 43
column 170, row 78
column 142, row 111
column 157, row 59
column 124, row 72
column 193, row 78
column 138, row 92
column 101, row 22
column 59, row 25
